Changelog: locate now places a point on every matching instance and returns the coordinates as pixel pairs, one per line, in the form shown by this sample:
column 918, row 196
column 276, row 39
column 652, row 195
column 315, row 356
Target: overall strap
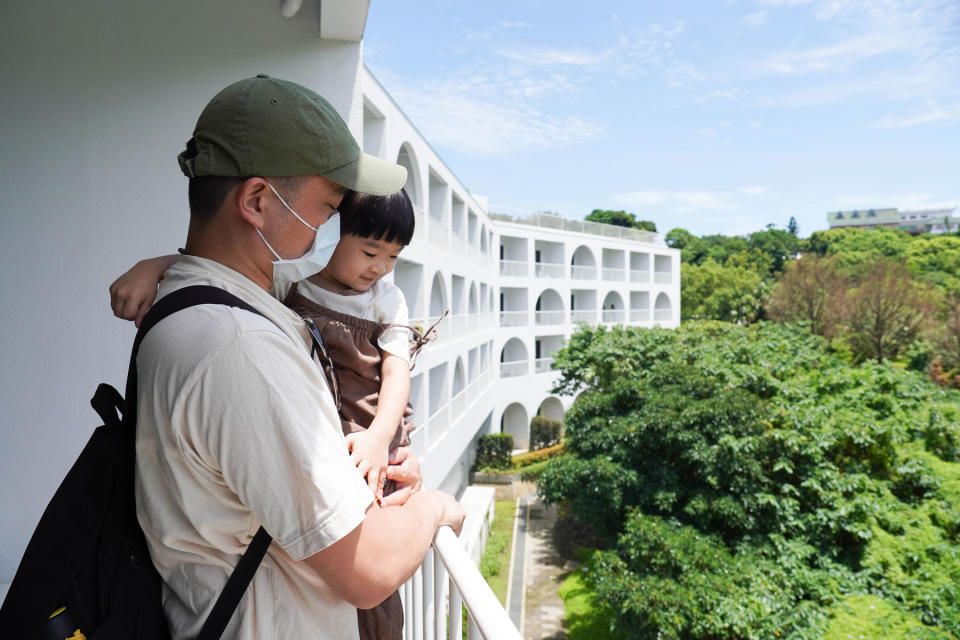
column 242, row 574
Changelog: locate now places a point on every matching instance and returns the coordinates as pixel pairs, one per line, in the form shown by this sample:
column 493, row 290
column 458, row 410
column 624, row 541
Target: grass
column 495, row 564
column 585, row 620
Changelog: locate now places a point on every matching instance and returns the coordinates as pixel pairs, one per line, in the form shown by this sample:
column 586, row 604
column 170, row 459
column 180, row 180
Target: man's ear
column 250, row 198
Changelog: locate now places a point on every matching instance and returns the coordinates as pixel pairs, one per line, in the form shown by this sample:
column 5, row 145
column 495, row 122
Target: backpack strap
column 242, row 574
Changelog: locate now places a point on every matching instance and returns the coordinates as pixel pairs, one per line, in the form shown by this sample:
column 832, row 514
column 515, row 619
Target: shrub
column 544, row 432
column 540, row 455
column 493, row 451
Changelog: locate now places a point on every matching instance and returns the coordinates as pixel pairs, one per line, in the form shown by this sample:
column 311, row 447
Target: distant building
column 914, row 222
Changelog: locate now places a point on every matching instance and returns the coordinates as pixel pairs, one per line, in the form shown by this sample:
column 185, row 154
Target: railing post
column 456, row 613
column 417, row 608
column 439, row 597
column 429, row 602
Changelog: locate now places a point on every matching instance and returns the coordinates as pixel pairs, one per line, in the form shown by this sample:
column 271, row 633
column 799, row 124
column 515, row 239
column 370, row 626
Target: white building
column 936, row 221
column 100, row 101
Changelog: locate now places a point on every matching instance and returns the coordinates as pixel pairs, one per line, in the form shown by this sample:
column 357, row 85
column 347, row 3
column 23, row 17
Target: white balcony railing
column 613, row 315
column 542, row 365
column 433, row 599
column 515, row 368
column 457, row 326
column 513, row 268
column 578, row 272
column 639, row 315
column 514, row 318
column 584, row 315
column 549, row 270
column 613, row 273
column 548, row 317
column 662, row 277
column 662, row 315
column 639, row 275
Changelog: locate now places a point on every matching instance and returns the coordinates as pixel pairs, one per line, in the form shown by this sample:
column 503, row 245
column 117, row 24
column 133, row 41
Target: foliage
column 493, row 451
column 539, row 455
column 585, row 617
column 854, row 246
column 713, row 291
column 748, row 482
column 544, row 432
column 620, row 219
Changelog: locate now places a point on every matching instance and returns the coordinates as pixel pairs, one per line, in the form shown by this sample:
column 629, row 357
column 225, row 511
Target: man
column 236, row 425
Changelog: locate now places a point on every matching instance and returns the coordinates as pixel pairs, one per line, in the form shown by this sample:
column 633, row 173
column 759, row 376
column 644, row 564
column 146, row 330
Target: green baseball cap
column 265, row 126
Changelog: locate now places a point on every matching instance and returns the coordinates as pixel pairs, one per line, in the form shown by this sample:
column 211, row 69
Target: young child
column 362, row 321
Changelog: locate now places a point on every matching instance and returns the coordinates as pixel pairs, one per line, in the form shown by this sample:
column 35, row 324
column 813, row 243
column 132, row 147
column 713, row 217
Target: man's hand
column 404, row 470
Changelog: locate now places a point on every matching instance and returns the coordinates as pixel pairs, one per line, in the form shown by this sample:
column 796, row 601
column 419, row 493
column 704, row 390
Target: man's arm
column 372, row 561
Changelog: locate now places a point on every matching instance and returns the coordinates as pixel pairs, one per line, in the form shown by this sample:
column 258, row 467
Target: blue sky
column 718, row 117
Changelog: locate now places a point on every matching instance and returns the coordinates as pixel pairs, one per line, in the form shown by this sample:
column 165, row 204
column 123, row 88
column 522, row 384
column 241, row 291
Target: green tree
column 678, row 238
column 646, row 225
column 714, row 291
column 936, row 259
column 793, row 227
column 780, row 245
column 618, row 218
column 856, row 247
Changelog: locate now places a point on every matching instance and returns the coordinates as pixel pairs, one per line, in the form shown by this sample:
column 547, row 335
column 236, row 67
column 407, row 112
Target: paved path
column 544, row 571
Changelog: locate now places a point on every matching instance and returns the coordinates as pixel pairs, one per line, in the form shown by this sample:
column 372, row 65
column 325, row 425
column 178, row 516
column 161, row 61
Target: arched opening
column 514, row 421
column 438, row 297
column 408, row 160
column 583, row 264
column 473, row 306
column 549, row 308
column 551, row 408
column 613, row 308
column 484, row 247
column 662, row 309
column 514, row 359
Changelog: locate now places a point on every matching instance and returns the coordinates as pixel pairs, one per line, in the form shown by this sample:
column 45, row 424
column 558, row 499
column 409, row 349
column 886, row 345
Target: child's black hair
column 387, row 218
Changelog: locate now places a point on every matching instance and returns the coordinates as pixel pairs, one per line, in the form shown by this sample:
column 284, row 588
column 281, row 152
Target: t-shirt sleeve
column 272, row 433
column 392, row 309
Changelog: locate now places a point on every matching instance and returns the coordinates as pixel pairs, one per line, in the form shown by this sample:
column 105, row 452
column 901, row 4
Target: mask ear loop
column 290, row 209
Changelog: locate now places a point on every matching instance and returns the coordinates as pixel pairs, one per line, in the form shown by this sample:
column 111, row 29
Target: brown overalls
column 352, row 345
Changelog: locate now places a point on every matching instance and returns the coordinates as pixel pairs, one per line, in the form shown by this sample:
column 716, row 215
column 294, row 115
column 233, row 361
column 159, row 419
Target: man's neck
column 225, row 248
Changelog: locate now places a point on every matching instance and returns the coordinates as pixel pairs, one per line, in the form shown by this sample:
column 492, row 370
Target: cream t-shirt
column 383, row 302
column 236, row 428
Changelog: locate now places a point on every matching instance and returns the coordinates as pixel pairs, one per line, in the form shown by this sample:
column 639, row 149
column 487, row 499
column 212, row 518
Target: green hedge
column 544, row 432
column 493, row 451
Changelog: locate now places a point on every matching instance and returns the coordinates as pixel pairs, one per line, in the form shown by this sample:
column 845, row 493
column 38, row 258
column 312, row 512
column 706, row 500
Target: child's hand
column 132, row 293
column 370, row 455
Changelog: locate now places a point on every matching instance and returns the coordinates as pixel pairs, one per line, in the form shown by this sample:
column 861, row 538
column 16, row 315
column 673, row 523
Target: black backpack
column 87, row 561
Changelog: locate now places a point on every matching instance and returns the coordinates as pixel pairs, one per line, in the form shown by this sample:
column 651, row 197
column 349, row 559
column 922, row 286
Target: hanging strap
column 419, row 339
column 242, row 574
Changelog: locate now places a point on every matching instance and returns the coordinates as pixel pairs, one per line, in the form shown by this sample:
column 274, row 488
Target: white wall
column 93, row 116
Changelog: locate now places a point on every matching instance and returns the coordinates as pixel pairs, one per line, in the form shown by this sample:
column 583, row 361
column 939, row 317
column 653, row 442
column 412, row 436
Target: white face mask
column 325, row 239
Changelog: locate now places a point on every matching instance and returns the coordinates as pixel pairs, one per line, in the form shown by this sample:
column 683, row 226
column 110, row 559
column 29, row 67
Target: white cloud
column 489, row 114
column 506, row 24
column 547, row 56
column 836, row 57
column 755, row 19
column 782, row 3
column 752, row 191
column 932, row 113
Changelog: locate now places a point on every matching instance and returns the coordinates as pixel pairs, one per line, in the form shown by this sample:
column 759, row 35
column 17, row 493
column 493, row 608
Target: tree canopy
column 620, row 219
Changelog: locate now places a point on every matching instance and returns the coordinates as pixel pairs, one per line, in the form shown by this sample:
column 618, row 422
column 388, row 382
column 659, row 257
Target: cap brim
column 371, row 175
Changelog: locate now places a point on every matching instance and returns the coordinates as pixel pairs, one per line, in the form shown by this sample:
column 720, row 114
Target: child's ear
column 250, row 201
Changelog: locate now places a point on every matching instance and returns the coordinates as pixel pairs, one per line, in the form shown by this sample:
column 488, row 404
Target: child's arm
column 369, row 449
column 132, row 293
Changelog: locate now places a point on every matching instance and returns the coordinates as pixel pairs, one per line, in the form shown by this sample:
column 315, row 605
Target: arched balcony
column 514, row 359
column 662, row 309
column 583, row 264
column 515, row 422
column 549, row 308
column 551, row 408
column 613, row 309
